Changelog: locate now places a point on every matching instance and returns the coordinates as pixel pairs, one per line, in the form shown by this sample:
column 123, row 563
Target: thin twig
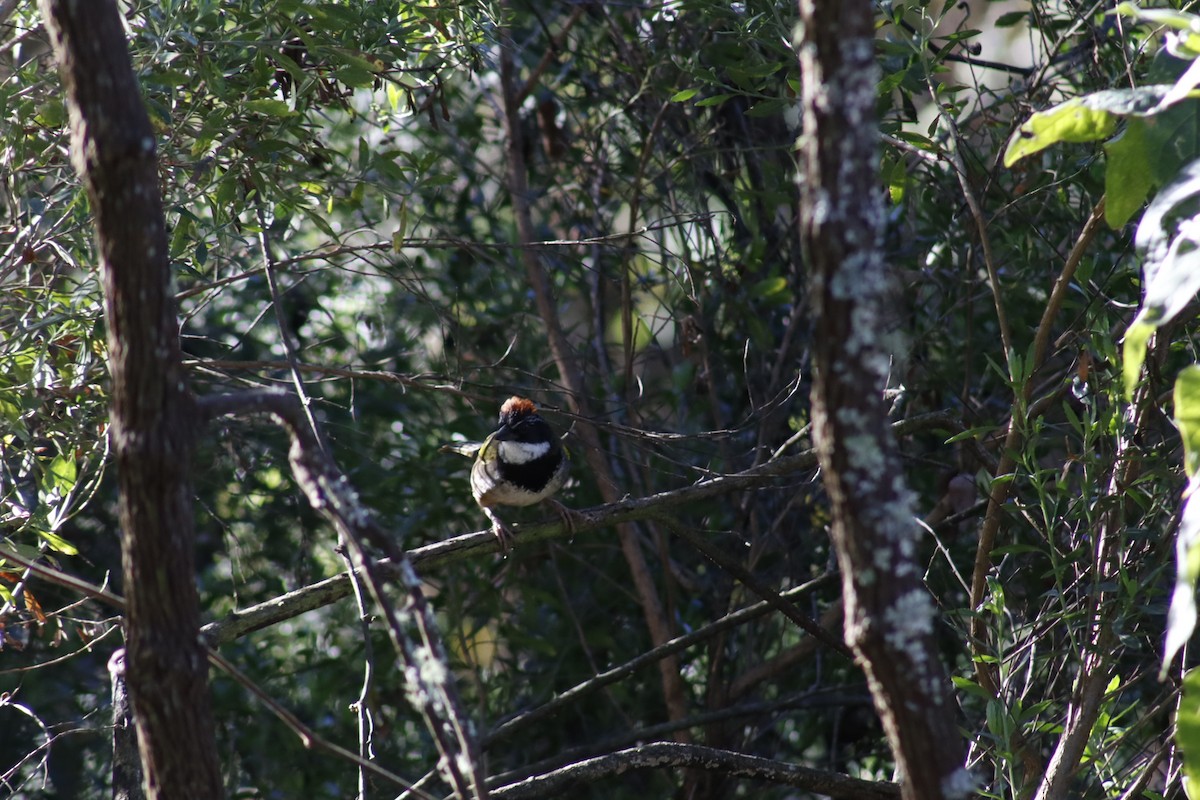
column 985, row 670
column 752, row 583
column 362, row 706
column 998, row 493
column 678, row 644
column 985, row 242
column 552, row 52
column 281, row 322
column 308, row 737
column 441, row 243
column 835, row 697
column 1099, row 658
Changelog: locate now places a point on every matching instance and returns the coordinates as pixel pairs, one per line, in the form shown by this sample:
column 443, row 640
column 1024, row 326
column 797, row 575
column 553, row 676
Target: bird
column 521, row 463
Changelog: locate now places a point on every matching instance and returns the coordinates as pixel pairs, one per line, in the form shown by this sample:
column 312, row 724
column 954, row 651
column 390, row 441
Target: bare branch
column 672, row 755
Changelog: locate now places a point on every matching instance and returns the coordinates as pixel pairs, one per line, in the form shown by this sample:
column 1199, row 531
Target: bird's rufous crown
column 517, row 407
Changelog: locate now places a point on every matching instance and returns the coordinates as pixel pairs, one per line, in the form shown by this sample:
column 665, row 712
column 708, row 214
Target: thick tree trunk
column 889, row 615
column 152, row 416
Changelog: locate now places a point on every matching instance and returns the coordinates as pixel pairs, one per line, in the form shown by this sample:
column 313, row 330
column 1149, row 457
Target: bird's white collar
column 522, row 452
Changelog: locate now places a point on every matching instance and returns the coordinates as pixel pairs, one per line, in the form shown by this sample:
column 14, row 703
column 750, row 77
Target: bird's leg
column 567, row 515
column 501, row 531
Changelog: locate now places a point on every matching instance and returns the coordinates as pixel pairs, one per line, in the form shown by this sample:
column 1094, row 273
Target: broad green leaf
column 356, row 76
column 683, row 94
column 772, row 290
column 270, row 107
column 1187, row 416
column 767, row 108
column 1129, row 174
column 1082, row 119
column 1134, row 354
column 52, row 114
column 1186, row 83
column 395, row 97
column 1011, row 18
column 1187, row 732
column 58, row 543
column 1179, row 20
column 1185, row 43
column 1181, row 618
column 62, row 474
column 290, row 66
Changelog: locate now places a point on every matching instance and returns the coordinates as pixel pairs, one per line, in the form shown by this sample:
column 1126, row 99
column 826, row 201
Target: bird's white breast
column 522, row 452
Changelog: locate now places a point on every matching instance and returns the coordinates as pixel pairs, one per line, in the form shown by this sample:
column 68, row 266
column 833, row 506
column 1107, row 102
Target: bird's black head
column 520, row 422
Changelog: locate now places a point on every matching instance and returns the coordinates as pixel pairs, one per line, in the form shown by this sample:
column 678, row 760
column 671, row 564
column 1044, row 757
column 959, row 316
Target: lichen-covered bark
column 152, row 416
column 889, row 615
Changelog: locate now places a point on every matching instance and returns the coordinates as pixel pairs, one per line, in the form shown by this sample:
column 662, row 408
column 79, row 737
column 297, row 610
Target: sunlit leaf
column 1134, row 354
column 1187, row 26
column 57, row 543
column 1187, row 732
column 1082, row 119
column 62, row 473
column 1168, row 239
column 1181, row 618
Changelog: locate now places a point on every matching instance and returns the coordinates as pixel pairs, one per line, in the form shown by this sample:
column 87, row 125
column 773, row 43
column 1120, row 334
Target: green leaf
column 290, row 66
column 767, row 108
column 62, row 474
column 715, row 100
column 58, row 543
column 972, row 433
column 1187, row 416
column 1083, row 119
column 1011, row 18
column 355, row 76
column 1187, row 732
column 1129, row 174
column 1134, row 355
column 683, row 94
column 52, row 114
column 1183, row 44
column 772, row 290
column 1181, row 618
column 270, row 107
column 1178, row 20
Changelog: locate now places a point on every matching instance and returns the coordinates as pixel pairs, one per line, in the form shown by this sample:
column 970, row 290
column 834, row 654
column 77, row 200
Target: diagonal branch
column 416, row 639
